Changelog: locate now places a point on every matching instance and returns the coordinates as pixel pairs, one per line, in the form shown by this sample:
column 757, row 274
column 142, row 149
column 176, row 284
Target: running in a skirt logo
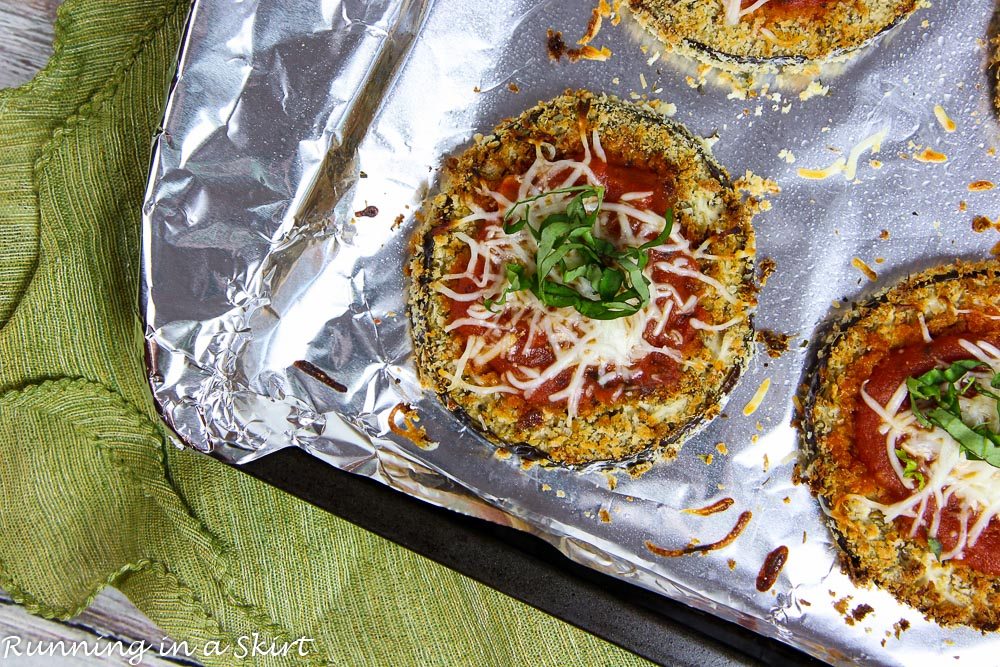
column 243, row 648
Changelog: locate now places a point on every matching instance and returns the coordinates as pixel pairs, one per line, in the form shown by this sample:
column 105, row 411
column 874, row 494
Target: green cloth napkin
column 91, row 492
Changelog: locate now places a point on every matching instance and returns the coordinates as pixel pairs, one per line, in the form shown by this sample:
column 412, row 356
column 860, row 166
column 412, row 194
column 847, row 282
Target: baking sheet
column 286, row 122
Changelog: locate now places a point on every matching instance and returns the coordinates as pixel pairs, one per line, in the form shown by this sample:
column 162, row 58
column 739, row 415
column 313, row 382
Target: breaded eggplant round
column 753, row 36
column 641, row 323
column 897, row 430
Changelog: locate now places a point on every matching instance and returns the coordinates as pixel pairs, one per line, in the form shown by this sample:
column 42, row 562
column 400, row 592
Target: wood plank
column 25, row 38
column 110, row 630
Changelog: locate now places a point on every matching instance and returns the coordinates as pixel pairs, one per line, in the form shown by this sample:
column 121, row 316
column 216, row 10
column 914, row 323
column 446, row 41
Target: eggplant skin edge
column 872, row 551
column 697, row 29
column 623, row 433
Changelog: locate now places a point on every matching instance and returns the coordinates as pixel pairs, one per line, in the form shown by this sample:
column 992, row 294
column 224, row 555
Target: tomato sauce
column 620, row 179
column 617, row 180
column 649, row 373
column 790, row 9
column 893, row 369
column 771, row 568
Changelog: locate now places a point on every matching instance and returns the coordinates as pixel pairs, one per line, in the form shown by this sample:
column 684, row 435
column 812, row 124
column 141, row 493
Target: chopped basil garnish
column 910, row 468
column 939, row 390
column 569, row 251
column 935, row 546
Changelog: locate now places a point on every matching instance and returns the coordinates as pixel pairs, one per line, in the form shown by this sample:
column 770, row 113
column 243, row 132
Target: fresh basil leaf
column 557, row 219
column 975, row 444
column 585, row 271
column 609, row 284
column 606, row 311
column 570, row 251
column 950, row 398
column 985, row 431
column 515, row 273
column 935, row 547
column 924, row 390
column 601, row 247
column 514, row 227
column 555, row 294
column 524, row 202
column 986, row 392
column 918, row 391
column 636, row 278
column 581, row 271
column 911, row 469
column 515, row 283
column 575, row 209
column 668, row 225
column 951, row 374
column 557, row 256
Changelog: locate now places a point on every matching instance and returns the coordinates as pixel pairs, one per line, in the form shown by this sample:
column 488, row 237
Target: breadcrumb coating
column 635, row 425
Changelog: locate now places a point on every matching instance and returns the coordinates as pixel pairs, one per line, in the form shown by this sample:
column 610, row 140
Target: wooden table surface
column 25, row 38
column 25, row 46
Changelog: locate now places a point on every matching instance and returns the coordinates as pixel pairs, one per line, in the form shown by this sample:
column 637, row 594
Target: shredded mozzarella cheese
column 734, row 9
column 872, row 143
column 576, row 344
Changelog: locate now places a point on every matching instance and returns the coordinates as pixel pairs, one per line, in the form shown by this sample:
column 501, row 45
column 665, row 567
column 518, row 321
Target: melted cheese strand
column 893, row 429
column 598, row 149
column 676, row 268
column 924, row 331
column 982, row 351
column 752, row 8
column 698, row 324
column 629, row 196
column 734, row 11
column 874, row 142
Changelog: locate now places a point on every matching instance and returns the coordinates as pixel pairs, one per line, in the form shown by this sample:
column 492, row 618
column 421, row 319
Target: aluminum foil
column 274, row 292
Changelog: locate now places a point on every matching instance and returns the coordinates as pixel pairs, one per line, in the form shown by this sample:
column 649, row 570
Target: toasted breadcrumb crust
column 771, row 37
column 874, row 551
column 995, row 66
column 633, row 426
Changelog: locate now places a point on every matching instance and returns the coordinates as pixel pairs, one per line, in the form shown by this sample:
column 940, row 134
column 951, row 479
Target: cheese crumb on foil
column 758, row 397
column 847, row 166
column 943, row 119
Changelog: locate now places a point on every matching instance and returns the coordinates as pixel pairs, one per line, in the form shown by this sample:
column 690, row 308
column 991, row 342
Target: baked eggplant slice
column 900, row 432
column 582, row 283
column 754, row 35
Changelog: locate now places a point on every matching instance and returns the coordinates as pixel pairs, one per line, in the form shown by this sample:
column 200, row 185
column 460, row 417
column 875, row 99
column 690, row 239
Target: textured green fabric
column 91, row 494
